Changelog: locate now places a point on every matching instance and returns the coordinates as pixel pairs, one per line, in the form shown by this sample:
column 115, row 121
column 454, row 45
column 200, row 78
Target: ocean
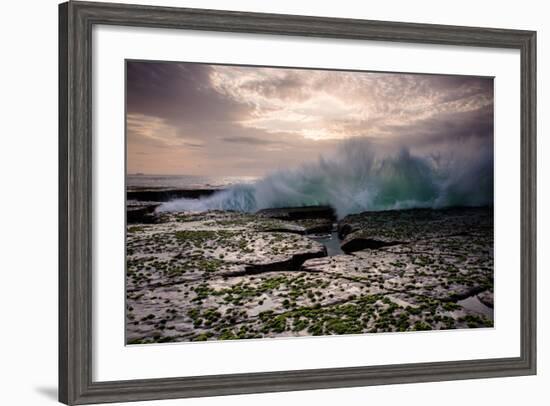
column 139, row 181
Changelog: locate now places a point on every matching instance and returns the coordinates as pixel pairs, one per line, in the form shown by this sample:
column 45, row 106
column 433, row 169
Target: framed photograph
column 257, row 202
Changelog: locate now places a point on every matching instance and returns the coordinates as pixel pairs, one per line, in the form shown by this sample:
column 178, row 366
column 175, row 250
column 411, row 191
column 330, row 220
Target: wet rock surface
column 166, row 194
column 226, row 275
column 141, row 212
column 486, row 297
column 299, row 213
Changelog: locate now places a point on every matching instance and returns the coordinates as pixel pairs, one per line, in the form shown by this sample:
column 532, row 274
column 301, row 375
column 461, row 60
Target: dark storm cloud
column 446, row 126
column 177, row 92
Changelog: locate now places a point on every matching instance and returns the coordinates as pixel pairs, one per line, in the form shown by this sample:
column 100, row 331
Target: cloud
column 177, row 92
column 154, row 131
column 247, row 140
column 248, row 120
column 332, row 104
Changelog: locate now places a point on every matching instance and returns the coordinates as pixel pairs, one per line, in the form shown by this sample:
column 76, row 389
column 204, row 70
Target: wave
column 363, row 175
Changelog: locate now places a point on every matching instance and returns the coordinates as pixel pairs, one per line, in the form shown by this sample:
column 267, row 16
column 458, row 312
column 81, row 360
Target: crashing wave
column 361, row 176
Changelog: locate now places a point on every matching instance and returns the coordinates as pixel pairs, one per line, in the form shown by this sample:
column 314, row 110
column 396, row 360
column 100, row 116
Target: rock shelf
column 225, row 275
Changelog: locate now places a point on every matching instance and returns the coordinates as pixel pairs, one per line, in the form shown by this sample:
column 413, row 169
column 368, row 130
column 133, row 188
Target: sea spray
column 363, row 175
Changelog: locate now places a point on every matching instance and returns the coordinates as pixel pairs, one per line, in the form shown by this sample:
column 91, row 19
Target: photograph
column 269, row 202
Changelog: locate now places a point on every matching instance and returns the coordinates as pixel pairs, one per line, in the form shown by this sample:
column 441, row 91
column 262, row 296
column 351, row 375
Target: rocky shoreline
column 227, row 275
column 166, row 194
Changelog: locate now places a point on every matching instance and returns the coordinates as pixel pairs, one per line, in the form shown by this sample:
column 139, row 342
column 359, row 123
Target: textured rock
column 358, row 243
column 166, row 194
column 304, row 226
column 141, row 213
column 226, row 275
column 299, row 213
column 486, row 297
column 416, row 224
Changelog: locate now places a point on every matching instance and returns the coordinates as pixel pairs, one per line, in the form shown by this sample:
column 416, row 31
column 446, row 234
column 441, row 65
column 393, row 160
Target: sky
column 201, row 119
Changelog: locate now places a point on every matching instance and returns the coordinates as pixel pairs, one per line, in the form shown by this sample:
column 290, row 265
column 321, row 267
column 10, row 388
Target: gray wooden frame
column 76, row 20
